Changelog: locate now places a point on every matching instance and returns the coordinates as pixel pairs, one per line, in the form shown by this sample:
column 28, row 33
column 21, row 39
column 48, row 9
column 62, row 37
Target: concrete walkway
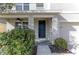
column 43, row 49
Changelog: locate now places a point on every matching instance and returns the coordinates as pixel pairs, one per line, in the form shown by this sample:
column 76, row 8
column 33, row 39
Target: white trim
column 22, row 6
column 24, row 16
column 69, row 12
column 30, row 11
column 68, row 21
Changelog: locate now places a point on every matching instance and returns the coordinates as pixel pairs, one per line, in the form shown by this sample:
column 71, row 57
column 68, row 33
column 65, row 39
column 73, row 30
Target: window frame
column 39, row 6
column 23, row 6
column 25, row 26
column 19, row 5
column 27, row 5
column 22, row 24
column 16, row 25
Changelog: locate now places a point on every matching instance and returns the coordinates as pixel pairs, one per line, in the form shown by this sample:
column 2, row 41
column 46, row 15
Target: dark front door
column 42, row 29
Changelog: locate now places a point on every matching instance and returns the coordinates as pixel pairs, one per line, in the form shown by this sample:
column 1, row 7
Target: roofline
column 30, row 12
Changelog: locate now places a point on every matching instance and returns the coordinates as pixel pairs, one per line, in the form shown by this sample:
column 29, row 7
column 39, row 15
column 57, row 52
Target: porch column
column 31, row 22
column 55, row 29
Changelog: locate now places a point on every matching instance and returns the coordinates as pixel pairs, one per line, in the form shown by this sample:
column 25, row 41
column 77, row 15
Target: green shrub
column 17, row 42
column 60, row 42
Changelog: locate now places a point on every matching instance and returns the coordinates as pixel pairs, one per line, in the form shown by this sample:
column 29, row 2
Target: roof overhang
column 21, row 14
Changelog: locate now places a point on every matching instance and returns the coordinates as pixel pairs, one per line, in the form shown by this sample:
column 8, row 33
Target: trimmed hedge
column 17, row 42
column 60, row 42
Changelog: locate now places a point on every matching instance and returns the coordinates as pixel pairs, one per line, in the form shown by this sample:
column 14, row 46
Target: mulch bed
column 55, row 49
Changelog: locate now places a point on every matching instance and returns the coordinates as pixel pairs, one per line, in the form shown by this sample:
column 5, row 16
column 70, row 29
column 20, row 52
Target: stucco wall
column 64, row 6
column 68, row 17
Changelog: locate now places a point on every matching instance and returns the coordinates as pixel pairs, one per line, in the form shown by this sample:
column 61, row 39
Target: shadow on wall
column 65, row 29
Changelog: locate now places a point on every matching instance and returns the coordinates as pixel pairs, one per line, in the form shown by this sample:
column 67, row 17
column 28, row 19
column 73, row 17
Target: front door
column 42, row 29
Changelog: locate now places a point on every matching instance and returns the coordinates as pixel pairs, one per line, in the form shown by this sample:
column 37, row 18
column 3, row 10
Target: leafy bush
column 17, row 41
column 60, row 42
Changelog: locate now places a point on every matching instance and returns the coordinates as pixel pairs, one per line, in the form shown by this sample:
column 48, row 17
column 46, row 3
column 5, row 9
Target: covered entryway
column 43, row 28
column 42, row 23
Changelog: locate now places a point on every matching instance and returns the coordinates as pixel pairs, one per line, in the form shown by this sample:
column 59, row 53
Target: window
column 39, row 5
column 22, row 6
column 19, row 7
column 20, row 25
column 25, row 25
column 26, row 6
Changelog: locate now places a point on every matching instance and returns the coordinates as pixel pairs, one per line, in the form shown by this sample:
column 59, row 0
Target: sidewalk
column 43, row 49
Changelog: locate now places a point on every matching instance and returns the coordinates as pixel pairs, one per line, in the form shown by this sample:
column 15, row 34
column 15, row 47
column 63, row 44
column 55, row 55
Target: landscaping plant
column 61, row 45
column 60, row 42
column 17, row 42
